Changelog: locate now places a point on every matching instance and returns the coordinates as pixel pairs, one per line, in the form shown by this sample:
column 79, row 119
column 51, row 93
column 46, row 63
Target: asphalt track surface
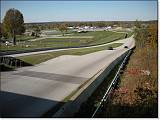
column 31, row 91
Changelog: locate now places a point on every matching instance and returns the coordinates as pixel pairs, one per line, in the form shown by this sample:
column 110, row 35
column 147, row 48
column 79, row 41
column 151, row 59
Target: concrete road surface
column 55, row 79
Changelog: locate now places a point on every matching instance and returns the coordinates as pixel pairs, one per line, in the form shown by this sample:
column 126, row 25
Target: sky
column 50, row 11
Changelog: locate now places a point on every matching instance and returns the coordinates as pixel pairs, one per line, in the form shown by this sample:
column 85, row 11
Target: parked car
column 7, row 43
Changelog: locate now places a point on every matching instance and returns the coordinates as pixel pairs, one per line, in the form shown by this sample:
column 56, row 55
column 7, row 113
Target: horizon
column 79, row 11
column 87, row 21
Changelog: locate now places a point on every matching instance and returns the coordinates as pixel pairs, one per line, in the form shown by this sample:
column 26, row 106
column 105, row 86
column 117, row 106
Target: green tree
column 13, row 23
column 63, row 28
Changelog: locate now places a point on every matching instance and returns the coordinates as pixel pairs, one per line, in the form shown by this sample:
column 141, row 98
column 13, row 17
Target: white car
column 8, row 43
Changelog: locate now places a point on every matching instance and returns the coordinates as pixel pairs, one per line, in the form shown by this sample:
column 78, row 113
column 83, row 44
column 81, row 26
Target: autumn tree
column 13, row 23
column 141, row 34
column 153, row 35
column 63, row 28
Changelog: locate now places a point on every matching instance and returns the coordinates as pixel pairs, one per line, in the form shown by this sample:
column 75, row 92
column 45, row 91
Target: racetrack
column 45, row 51
column 57, row 78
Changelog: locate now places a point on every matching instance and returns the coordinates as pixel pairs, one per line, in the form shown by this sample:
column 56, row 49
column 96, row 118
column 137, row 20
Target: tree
column 3, row 33
column 141, row 34
column 101, row 24
column 37, row 31
column 137, row 24
column 13, row 23
column 63, row 28
column 153, row 33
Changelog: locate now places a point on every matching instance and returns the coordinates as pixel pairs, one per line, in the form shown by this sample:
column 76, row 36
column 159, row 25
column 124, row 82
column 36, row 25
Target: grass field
column 38, row 58
column 55, row 32
column 24, row 38
column 99, row 37
column 47, row 43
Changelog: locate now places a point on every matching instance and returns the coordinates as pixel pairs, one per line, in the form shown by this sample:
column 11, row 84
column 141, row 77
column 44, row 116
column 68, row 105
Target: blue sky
column 48, row 11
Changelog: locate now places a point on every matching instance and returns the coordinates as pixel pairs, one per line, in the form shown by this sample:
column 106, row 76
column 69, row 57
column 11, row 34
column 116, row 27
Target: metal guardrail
column 111, row 87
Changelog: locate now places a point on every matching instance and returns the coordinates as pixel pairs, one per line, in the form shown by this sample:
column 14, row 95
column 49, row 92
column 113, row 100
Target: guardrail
column 113, row 83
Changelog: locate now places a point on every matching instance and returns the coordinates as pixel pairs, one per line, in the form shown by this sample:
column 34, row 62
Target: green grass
column 47, row 43
column 61, row 42
column 99, row 37
column 24, row 38
column 56, row 32
column 130, row 33
column 38, row 58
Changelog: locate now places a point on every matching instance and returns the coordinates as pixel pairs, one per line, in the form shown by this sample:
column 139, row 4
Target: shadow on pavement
column 17, row 105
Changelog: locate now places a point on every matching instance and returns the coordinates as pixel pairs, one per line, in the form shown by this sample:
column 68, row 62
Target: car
column 125, row 46
column 110, row 48
column 7, row 43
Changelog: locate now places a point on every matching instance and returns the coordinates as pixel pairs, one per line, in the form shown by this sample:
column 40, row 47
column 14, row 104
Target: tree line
column 146, row 35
